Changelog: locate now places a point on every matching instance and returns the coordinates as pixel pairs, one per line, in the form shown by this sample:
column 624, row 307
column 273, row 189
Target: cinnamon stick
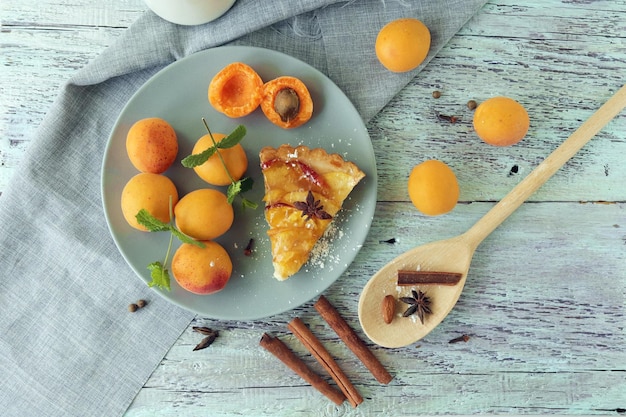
column 428, row 277
column 276, row 347
column 352, row 340
column 313, row 345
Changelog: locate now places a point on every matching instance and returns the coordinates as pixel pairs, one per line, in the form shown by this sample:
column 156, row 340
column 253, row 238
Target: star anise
column 312, row 208
column 419, row 304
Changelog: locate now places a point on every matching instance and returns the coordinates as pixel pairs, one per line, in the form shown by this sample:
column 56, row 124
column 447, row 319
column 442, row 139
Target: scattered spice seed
column 141, row 303
column 472, row 104
column 133, row 307
column 248, row 250
column 451, row 119
column 436, row 94
column 205, row 343
column 211, row 335
column 204, row 330
column 389, row 241
column 463, row 338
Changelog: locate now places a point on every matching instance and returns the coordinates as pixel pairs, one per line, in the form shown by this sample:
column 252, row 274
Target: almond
column 388, row 307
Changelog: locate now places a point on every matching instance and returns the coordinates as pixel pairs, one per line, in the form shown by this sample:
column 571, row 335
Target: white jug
column 189, row 12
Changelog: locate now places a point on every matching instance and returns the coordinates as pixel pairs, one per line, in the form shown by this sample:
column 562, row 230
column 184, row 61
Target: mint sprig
column 236, row 187
column 158, row 272
column 229, row 141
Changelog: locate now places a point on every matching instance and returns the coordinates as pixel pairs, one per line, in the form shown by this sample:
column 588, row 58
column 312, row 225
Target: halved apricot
column 236, row 90
column 287, row 102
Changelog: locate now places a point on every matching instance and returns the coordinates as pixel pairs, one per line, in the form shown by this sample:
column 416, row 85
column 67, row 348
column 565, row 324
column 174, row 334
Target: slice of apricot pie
column 304, row 189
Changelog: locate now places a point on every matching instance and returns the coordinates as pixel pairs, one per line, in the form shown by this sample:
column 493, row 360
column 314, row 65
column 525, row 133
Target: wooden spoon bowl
column 455, row 254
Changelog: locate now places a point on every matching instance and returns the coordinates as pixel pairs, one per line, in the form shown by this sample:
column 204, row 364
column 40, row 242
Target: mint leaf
column 248, row 204
column 150, row 222
column 155, row 225
column 238, row 187
column 245, row 184
column 160, row 276
column 186, row 239
column 233, row 189
column 234, row 138
column 229, row 141
column 199, row 158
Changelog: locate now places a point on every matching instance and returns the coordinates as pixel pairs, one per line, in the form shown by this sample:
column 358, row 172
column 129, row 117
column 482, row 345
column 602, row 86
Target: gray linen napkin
column 68, row 346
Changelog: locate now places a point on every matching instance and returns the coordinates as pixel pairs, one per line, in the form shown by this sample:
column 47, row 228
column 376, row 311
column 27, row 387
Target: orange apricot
column 402, row 44
column 152, row 145
column 433, row 188
column 501, row 121
column 287, row 102
column 236, row 90
column 151, row 192
column 204, row 214
column 213, row 171
column 202, row 270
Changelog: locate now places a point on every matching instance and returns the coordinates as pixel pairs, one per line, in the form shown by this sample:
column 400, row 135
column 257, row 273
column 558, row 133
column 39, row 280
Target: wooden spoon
column 455, row 254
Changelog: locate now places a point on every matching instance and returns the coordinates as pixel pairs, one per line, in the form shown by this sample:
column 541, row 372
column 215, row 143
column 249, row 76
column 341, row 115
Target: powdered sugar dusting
column 321, row 255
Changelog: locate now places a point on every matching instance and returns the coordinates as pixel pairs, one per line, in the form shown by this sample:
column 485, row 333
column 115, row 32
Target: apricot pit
column 287, row 104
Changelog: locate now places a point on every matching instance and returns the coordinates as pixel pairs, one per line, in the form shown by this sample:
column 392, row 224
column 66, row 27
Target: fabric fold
column 151, row 41
column 68, row 345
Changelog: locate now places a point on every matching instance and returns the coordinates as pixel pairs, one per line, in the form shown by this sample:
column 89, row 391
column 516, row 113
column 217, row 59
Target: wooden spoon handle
column 522, row 191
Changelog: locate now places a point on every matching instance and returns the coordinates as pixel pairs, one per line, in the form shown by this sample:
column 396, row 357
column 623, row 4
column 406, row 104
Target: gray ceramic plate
column 178, row 94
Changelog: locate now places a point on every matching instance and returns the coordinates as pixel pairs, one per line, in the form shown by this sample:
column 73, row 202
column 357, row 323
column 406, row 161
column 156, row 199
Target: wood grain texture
column 42, row 44
column 544, row 304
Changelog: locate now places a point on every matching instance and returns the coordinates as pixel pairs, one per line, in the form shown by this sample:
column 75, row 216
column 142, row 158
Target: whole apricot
column 402, row 44
column 433, row 188
column 212, row 171
column 204, row 214
column 501, row 121
column 152, row 145
column 151, row 192
column 202, row 270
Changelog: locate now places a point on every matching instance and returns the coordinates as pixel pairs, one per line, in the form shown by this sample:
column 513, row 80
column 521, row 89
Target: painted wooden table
column 544, row 306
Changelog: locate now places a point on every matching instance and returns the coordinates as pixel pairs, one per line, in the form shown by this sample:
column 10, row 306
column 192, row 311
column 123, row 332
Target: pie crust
column 290, row 173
